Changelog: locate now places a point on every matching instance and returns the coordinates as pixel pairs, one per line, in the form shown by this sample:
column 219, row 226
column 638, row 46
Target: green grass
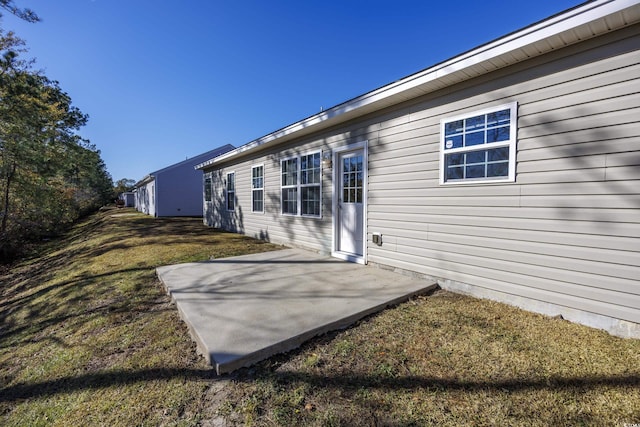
column 89, row 337
column 447, row 359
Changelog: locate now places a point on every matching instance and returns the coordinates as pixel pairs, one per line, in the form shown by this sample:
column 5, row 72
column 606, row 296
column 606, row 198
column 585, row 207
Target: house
column 175, row 190
column 509, row 172
column 128, row 199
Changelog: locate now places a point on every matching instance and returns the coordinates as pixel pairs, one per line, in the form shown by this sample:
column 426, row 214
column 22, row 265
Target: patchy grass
column 87, row 334
column 88, row 337
column 446, row 359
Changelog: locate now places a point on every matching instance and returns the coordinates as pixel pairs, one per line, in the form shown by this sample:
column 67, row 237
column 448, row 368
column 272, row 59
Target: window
column 310, row 184
column 207, row 189
column 301, row 180
column 479, row 146
column 352, row 179
column 231, row 191
column 257, row 188
column 289, row 171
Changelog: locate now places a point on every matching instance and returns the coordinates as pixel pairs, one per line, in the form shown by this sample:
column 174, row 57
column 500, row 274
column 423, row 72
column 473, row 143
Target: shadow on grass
column 70, row 284
column 101, row 380
column 32, row 286
column 42, row 316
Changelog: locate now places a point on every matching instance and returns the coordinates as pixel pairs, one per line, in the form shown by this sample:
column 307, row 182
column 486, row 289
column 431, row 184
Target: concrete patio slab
column 244, row 309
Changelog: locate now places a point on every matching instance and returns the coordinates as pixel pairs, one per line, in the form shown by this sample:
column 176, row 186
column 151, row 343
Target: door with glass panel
column 350, row 215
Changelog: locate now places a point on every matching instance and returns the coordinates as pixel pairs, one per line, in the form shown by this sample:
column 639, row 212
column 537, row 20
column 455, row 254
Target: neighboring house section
column 128, row 199
column 510, row 172
column 175, row 190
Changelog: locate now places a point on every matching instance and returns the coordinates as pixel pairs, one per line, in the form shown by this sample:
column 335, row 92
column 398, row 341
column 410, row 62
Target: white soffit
column 577, row 24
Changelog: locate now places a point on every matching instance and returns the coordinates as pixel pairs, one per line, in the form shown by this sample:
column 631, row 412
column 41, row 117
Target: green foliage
column 49, row 176
column 123, row 185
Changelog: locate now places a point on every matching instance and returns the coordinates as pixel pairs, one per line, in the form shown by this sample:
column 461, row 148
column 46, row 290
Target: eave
column 144, row 181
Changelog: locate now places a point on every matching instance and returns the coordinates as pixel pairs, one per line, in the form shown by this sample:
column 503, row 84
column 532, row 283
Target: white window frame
column 253, row 189
column 312, row 185
column 295, row 186
column 208, row 185
column 298, row 186
column 233, row 191
column 510, row 143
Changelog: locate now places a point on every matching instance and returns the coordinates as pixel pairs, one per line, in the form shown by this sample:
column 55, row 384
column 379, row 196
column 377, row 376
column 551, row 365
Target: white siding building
column 509, row 172
column 175, row 190
column 128, row 198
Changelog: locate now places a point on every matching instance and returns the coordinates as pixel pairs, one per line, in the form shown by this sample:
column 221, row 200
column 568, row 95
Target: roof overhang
column 583, row 22
column 144, row 181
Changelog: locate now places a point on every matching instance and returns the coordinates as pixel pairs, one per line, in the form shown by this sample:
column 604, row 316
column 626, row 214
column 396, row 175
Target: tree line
column 49, row 175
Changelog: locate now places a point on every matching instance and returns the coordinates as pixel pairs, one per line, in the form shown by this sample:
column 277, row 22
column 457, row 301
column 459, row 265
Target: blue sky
column 163, row 81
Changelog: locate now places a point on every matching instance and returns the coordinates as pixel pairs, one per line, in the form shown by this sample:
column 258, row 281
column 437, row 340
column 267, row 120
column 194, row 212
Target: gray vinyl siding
column 175, row 190
column 308, row 232
column 566, row 232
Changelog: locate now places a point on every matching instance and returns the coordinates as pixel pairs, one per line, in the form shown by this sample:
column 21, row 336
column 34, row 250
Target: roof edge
column 144, row 181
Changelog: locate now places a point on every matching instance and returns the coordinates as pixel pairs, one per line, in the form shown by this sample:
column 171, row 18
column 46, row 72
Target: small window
column 257, row 189
column 480, row 146
column 289, row 172
column 352, row 179
column 231, row 191
column 207, row 189
column 310, row 184
column 301, row 185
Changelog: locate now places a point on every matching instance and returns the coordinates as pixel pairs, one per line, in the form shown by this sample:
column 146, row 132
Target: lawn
column 89, row 337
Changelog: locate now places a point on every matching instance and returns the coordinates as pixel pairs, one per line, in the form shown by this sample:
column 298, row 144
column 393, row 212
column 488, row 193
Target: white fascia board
column 546, row 29
column 553, row 26
column 144, row 181
column 557, row 24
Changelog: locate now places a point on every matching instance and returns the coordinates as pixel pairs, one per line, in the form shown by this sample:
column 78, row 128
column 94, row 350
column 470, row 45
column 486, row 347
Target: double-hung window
column 207, row 188
column 231, row 191
column 257, row 189
column 310, row 184
column 479, row 146
column 301, row 185
column 289, row 173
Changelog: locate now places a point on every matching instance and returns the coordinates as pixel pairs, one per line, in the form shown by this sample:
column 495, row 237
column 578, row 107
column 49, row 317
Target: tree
column 87, row 176
column 22, row 13
column 123, row 185
column 49, row 175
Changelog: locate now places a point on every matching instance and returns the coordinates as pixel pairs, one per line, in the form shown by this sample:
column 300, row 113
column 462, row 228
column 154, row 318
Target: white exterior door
column 350, row 196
